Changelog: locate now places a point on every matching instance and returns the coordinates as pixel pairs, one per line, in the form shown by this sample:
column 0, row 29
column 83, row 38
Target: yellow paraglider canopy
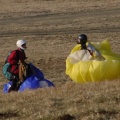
column 93, row 70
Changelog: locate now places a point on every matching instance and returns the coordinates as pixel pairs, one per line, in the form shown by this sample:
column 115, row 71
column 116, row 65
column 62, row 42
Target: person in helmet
column 82, row 39
column 16, row 57
column 86, row 45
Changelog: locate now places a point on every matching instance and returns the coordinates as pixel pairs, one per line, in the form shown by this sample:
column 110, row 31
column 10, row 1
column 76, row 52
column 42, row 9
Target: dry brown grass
column 50, row 27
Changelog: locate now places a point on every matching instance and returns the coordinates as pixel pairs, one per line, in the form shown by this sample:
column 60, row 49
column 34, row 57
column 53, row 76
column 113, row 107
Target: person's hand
column 19, row 62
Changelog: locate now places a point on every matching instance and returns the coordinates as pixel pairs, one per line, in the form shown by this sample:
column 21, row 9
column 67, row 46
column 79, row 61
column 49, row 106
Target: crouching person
column 18, row 65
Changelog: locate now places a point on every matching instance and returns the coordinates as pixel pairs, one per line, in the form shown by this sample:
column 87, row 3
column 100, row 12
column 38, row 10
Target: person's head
column 82, row 39
column 21, row 44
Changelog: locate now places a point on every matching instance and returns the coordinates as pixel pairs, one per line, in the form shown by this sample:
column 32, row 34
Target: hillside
column 50, row 28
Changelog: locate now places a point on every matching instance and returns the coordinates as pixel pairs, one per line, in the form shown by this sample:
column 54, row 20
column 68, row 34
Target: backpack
column 7, row 67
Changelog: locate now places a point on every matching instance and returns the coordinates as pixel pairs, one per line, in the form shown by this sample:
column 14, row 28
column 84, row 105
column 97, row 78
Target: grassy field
column 50, row 28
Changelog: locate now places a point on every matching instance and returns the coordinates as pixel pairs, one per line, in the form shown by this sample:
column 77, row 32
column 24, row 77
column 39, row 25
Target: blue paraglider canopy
column 33, row 81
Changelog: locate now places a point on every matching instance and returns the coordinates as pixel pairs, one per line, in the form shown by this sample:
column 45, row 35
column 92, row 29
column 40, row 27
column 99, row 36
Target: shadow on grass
column 65, row 117
column 8, row 115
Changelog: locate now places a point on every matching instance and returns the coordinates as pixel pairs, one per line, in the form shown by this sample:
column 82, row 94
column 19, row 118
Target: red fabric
column 13, row 59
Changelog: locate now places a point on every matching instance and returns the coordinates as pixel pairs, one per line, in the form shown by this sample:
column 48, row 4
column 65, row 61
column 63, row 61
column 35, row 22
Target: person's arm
column 96, row 52
column 12, row 59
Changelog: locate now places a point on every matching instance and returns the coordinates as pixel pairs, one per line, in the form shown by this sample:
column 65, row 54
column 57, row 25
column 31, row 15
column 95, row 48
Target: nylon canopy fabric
column 34, row 81
column 93, row 69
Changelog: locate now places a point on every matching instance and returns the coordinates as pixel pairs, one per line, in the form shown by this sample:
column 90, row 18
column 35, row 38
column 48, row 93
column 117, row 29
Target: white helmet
column 20, row 43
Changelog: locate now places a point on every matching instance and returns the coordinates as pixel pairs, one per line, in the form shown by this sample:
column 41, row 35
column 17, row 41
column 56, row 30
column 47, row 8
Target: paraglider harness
column 83, row 46
column 7, row 67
